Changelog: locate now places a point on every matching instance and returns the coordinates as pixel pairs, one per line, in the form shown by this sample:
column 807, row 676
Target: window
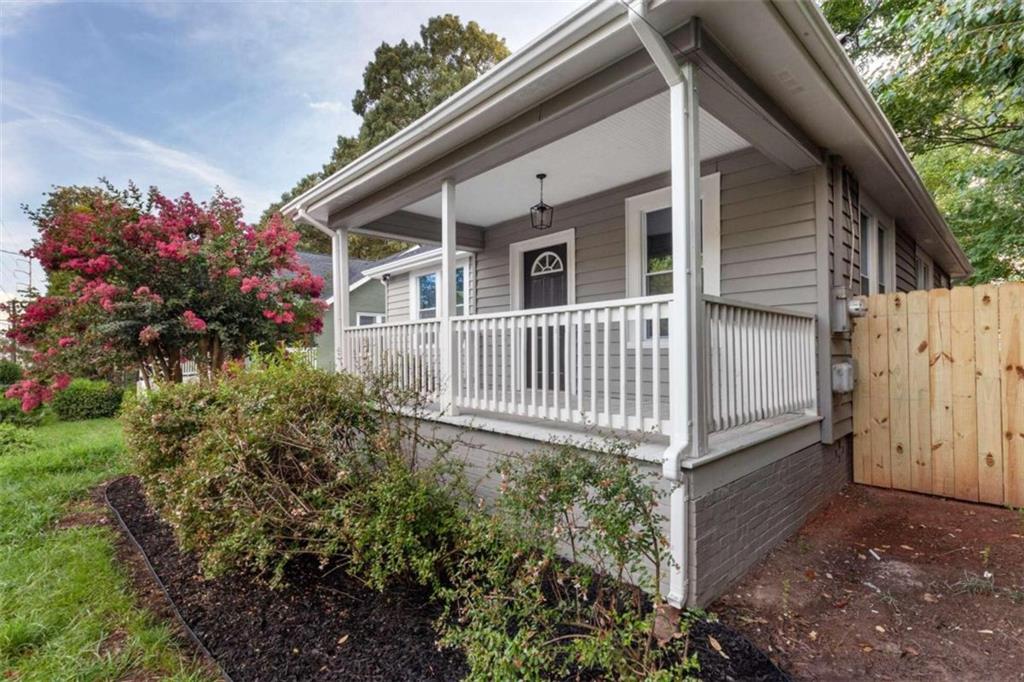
column 547, row 263
column 649, row 240
column 880, row 245
column 657, row 252
column 865, row 254
column 426, row 294
column 877, row 252
column 367, row 319
column 925, row 270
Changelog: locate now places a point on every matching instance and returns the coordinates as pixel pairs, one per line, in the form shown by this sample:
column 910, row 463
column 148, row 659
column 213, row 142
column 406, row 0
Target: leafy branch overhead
column 949, row 75
column 402, row 83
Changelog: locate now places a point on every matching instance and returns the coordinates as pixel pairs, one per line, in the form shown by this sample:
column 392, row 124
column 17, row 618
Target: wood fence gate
column 939, row 402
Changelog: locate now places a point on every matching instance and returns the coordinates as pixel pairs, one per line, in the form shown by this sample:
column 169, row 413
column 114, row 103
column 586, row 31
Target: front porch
column 605, row 365
column 673, row 294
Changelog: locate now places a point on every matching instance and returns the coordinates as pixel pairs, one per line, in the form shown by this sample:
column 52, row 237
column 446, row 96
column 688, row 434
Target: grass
column 66, row 611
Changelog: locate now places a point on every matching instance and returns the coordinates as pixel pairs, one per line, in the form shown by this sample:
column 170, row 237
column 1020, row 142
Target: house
column 366, row 301
column 718, row 187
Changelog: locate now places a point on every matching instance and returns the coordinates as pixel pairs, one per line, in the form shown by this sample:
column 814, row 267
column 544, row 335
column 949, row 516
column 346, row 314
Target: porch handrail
column 735, row 303
column 574, row 307
column 760, row 362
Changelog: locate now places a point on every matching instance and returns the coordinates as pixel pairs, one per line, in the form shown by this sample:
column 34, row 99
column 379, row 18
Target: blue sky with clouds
column 190, row 95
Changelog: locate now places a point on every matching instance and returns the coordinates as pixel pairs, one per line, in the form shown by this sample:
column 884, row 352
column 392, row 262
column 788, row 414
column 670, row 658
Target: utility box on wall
column 844, row 376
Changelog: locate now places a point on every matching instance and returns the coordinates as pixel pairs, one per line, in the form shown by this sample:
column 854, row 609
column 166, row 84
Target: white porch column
column 446, row 297
column 339, row 272
column 686, row 347
column 686, row 339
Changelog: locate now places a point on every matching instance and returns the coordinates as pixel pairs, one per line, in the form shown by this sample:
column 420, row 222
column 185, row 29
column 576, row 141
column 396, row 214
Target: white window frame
column 515, row 264
column 376, row 318
column 711, row 234
column 435, row 269
column 879, row 221
column 924, row 265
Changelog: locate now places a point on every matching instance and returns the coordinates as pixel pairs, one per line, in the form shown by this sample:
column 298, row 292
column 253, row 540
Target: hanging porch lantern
column 541, row 214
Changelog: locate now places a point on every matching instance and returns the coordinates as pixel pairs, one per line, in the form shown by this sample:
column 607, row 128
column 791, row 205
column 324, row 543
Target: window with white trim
column 649, row 240
column 877, row 255
column 925, row 270
column 425, row 293
column 547, row 263
column 367, row 319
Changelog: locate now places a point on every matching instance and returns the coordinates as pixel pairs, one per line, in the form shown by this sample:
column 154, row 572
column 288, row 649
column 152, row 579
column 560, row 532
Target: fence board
column 1011, row 334
column 940, row 359
column 899, row 393
column 919, row 386
column 878, row 327
column 939, row 401
column 965, row 417
column 862, row 466
column 987, row 394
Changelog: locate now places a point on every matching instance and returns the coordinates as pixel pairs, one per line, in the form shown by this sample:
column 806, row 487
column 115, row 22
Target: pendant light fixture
column 541, row 214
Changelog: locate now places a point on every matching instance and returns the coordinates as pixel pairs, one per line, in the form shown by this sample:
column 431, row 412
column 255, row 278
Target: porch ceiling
column 627, row 146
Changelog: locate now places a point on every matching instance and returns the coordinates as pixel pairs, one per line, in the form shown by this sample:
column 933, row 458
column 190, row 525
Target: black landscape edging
column 163, row 588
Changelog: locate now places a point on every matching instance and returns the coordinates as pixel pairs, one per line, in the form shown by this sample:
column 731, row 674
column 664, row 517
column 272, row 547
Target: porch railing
column 604, row 364
column 409, row 353
column 759, row 362
column 585, row 364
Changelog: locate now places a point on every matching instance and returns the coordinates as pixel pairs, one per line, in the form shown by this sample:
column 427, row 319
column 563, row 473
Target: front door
column 545, row 285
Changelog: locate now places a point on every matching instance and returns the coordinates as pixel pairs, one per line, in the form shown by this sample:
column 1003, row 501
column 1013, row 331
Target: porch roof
column 783, row 52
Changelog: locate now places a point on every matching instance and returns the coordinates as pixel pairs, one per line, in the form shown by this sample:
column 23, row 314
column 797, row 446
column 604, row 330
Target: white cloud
column 43, row 142
column 333, row 107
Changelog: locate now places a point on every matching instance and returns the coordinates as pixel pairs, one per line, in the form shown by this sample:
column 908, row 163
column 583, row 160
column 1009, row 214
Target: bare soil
column 890, row 585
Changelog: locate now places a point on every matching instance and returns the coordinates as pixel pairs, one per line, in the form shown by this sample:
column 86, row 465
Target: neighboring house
column 722, row 184
column 366, row 301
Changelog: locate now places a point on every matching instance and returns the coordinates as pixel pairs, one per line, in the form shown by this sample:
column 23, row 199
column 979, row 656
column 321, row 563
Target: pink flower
column 235, row 272
column 194, row 322
column 61, row 381
column 66, row 341
column 148, row 335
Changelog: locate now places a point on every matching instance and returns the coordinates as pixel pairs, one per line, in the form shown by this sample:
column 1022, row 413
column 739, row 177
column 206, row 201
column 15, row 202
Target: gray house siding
column 768, row 240
column 368, row 298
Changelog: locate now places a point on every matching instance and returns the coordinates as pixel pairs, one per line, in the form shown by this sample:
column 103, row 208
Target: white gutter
column 684, row 387
column 413, row 262
column 521, row 64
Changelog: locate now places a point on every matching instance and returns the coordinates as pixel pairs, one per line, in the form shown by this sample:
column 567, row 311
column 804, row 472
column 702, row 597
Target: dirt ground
column 888, row 585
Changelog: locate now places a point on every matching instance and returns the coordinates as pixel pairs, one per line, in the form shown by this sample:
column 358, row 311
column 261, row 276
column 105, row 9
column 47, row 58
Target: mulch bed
column 326, row 625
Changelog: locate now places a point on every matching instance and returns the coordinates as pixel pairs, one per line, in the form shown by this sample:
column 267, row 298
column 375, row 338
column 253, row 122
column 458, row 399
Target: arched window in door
column 547, row 263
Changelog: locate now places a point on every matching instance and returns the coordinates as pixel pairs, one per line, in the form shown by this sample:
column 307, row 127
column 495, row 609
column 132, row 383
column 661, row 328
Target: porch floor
column 650, row 446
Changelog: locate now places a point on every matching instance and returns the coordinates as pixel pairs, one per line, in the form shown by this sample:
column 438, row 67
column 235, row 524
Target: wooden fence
column 939, row 403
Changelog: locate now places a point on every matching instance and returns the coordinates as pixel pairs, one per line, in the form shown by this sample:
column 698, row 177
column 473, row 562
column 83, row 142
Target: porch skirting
column 734, row 525
column 742, row 504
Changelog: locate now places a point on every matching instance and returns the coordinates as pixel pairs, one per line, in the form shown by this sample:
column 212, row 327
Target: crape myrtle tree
column 144, row 281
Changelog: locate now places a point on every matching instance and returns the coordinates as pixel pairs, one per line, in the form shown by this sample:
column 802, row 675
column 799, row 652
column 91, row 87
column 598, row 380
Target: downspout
column 339, row 283
column 685, row 387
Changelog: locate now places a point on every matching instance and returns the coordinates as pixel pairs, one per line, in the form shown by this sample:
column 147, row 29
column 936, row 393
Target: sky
column 188, row 96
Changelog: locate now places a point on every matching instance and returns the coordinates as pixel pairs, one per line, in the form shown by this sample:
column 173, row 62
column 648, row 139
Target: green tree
column 949, row 74
column 402, row 83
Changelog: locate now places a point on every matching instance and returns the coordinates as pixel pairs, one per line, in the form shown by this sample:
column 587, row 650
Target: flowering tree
column 149, row 281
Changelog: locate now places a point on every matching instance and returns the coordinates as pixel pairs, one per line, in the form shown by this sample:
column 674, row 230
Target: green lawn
column 66, row 612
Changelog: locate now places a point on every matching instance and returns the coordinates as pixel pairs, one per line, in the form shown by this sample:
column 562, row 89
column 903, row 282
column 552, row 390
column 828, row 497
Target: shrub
column 87, row 399
column 159, row 425
column 11, row 413
column 10, row 372
column 13, row 439
column 280, row 460
column 520, row 610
